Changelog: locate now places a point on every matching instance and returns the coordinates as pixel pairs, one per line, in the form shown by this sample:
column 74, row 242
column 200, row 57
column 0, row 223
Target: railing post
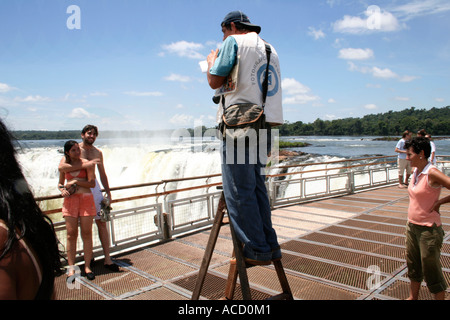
column 111, row 231
column 269, row 189
column 165, row 218
column 351, row 182
column 166, row 226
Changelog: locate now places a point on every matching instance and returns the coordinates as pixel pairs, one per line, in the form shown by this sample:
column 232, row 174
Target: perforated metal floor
column 345, row 248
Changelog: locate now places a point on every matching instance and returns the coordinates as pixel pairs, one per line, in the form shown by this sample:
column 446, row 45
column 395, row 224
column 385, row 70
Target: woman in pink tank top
column 424, row 233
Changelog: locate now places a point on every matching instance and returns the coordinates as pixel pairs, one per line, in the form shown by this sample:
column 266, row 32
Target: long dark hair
column 67, row 146
column 24, row 218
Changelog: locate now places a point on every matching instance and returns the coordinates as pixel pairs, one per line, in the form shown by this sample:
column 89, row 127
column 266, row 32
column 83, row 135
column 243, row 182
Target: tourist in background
column 421, row 133
column 424, row 233
column 29, row 255
column 432, row 158
column 404, row 166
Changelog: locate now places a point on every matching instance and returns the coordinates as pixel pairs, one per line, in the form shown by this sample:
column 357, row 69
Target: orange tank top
column 422, row 197
column 82, row 175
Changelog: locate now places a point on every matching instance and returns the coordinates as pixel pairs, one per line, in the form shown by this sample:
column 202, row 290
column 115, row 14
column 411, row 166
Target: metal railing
column 158, row 211
column 298, row 185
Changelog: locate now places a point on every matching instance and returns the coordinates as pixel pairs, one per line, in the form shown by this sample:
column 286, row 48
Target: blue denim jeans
column 247, row 200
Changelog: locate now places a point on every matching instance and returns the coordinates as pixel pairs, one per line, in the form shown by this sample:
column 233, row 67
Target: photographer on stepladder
column 245, row 73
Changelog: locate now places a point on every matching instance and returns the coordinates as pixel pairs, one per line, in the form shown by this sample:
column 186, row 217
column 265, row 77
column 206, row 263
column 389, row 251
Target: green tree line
column 435, row 121
column 46, row 135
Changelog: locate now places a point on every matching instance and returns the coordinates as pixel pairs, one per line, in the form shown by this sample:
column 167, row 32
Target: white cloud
column 185, row 49
column 350, row 24
column 80, row 113
column 331, row 100
column 181, row 119
column 370, row 106
column 177, row 77
column 316, row 34
column 376, row 72
column 375, row 20
column 401, row 98
column 331, row 2
column 292, row 86
column 408, row 78
column 355, row 54
column 98, row 94
column 32, row 99
column 296, row 92
column 143, row 94
column 5, row 88
column 419, row 8
column 383, row 73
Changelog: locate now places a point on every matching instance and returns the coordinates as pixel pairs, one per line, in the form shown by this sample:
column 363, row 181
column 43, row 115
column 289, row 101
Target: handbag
column 239, row 119
column 105, row 211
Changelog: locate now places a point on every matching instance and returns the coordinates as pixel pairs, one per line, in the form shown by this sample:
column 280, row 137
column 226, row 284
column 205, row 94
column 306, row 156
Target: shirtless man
column 95, row 156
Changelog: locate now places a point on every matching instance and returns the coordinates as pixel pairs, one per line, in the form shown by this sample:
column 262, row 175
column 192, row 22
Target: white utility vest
column 251, row 64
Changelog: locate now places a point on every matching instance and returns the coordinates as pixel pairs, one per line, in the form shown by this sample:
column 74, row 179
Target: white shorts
column 98, row 198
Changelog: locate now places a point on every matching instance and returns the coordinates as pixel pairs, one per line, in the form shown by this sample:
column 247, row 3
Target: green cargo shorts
column 423, row 252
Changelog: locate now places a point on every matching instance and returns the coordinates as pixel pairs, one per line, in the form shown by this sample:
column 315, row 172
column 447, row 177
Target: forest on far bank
column 435, row 121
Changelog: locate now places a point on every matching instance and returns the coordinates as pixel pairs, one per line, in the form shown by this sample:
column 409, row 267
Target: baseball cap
column 242, row 18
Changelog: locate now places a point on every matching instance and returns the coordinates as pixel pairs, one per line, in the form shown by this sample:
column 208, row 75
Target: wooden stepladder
column 238, row 267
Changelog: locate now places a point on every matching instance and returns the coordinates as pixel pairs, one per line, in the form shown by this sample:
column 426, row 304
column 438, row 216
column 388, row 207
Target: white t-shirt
column 433, row 149
column 401, row 146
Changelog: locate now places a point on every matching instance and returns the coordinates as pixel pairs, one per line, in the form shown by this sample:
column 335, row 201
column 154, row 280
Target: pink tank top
column 422, row 197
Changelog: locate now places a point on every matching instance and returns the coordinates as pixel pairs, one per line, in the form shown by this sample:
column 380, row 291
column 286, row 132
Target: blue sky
column 133, row 65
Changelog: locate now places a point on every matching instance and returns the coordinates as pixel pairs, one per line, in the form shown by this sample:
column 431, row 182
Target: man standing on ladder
column 238, row 71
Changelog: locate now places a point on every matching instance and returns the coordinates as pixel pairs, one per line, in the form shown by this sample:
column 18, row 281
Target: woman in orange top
column 78, row 206
column 424, row 233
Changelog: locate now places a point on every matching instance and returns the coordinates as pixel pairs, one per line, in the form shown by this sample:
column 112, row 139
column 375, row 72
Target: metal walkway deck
column 343, row 248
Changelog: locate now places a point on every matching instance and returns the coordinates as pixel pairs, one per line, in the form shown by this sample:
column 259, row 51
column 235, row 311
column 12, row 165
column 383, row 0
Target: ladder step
column 238, row 266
